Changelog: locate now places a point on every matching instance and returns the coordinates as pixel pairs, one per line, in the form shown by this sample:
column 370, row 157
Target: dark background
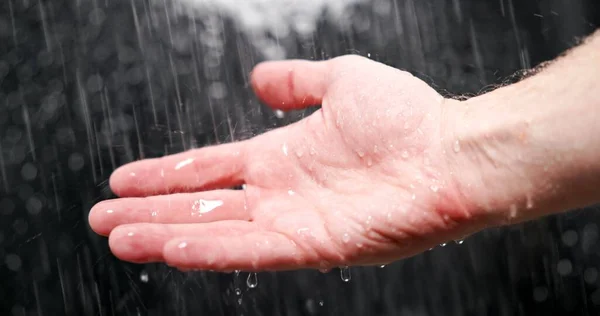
column 87, row 85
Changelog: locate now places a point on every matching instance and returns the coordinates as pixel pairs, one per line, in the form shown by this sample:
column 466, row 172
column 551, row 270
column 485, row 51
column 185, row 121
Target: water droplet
column 345, row 274
column 205, row 206
column 238, row 291
column 252, row 280
column 110, row 211
column 183, row 163
column 359, row 245
column 414, row 196
column 456, row 146
column 404, row 154
column 443, row 244
column 182, row 245
column 130, row 234
column 360, row 153
column 291, row 192
column 284, row 148
column 434, row 188
column 304, row 232
column 154, row 213
column 459, row 241
column 513, row 211
column 321, row 303
column 369, row 161
column 382, row 266
column 279, row 114
column 346, row 238
column 529, row 202
column 144, row 277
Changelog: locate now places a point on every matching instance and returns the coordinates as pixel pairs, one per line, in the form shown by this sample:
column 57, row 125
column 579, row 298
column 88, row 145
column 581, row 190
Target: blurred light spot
column 217, row 90
column 18, row 310
column 13, row 134
column 101, row 53
column 65, row 135
column 564, row 267
column 34, row 205
column 45, row 58
column 590, row 275
column 13, row 262
column 24, row 72
column 135, row 75
column 25, row 191
column 595, row 297
column 570, row 238
column 20, row 226
column 97, row 16
column 127, row 55
column 94, row 83
column 311, row 306
column 51, row 103
column 7, row 206
column 76, row 162
column 382, row 7
column 589, row 237
column 540, row 293
column 29, row 171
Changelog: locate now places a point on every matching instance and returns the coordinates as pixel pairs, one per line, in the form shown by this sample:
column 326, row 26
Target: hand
column 362, row 181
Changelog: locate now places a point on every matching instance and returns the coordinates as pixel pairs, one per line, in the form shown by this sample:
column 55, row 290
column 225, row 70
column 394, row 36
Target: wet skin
column 362, row 181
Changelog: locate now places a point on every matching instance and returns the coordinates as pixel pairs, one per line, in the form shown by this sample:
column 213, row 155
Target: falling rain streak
column 89, row 85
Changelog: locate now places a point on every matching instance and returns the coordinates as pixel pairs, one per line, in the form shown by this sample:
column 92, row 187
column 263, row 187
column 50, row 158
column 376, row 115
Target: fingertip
column 291, row 84
column 175, row 252
column 121, row 241
column 129, row 243
column 120, row 179
column 99, row 218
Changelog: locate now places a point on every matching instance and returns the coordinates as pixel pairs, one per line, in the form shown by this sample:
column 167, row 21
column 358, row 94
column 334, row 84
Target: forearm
column 533, row 147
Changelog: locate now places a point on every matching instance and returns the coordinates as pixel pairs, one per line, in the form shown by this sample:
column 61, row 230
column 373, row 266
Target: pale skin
column 386, row 169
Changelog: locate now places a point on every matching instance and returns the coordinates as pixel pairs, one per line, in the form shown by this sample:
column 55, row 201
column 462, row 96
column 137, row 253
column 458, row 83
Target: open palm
column 363, row 180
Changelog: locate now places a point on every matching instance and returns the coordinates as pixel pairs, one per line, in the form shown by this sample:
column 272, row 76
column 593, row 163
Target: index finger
column 208, row 168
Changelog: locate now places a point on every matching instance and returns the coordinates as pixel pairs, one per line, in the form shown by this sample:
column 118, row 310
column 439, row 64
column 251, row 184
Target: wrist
column 530, row 149
column 494, row 165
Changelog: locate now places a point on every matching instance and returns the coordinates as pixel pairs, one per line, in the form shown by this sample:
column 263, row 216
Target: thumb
column 292, row 84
